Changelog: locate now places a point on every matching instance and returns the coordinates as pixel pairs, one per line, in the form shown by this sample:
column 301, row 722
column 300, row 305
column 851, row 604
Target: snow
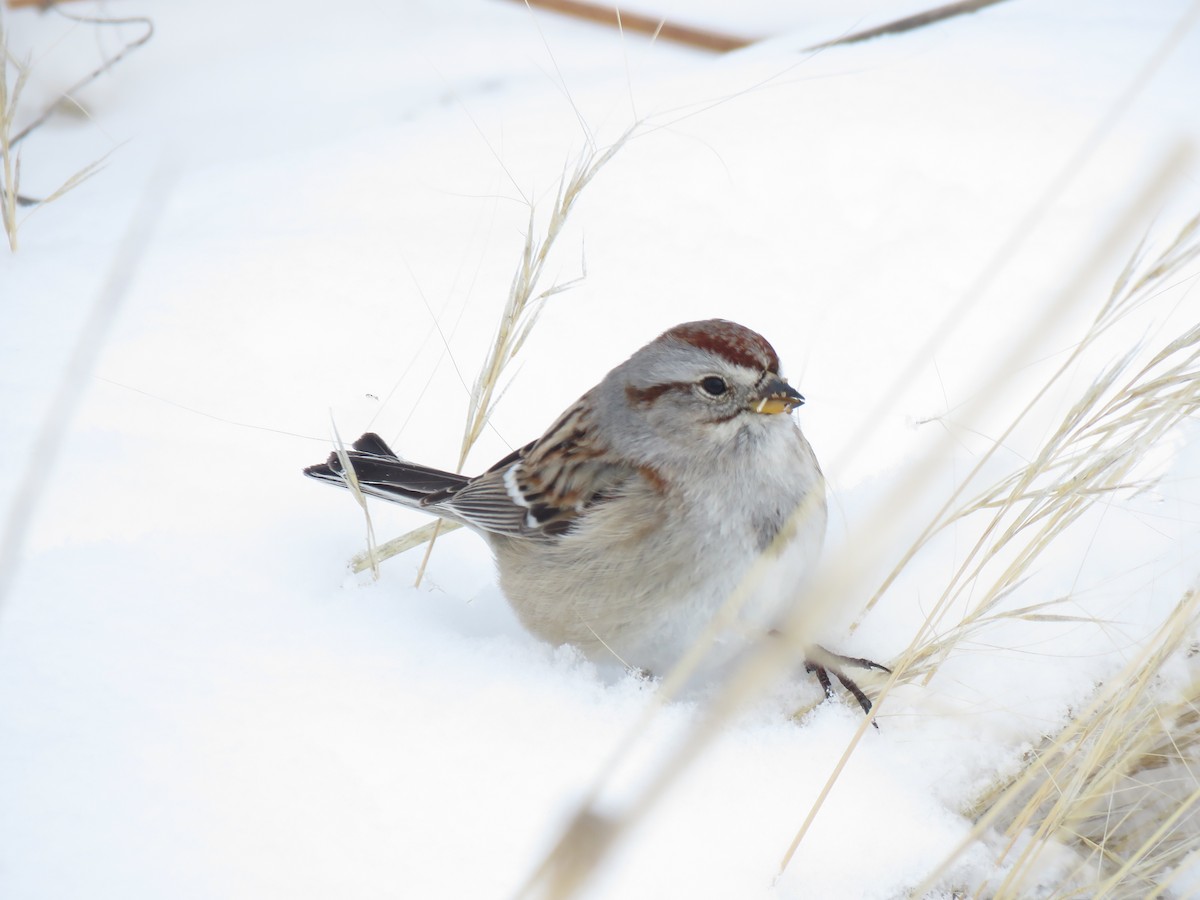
column 197, row 700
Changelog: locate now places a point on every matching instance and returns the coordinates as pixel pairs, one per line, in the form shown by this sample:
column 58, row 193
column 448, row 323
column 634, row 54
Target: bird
column 626, row 527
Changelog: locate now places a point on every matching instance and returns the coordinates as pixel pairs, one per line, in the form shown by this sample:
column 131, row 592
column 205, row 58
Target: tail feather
column 374, row 444
column 381, row 473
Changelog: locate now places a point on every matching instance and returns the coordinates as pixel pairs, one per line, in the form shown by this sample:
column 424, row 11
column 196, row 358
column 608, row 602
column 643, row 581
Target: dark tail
column 381, row 473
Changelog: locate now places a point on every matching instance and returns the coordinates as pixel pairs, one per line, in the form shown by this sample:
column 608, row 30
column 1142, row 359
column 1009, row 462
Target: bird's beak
column 777, row 396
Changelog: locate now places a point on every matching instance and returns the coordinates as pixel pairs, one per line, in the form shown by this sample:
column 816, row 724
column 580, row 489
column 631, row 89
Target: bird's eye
column 714, row 386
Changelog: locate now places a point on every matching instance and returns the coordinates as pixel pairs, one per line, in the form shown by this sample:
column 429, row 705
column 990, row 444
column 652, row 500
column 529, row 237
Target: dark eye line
column 648, row 395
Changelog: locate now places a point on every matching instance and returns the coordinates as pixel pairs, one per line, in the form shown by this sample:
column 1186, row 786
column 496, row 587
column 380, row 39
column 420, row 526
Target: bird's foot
column 823, row 664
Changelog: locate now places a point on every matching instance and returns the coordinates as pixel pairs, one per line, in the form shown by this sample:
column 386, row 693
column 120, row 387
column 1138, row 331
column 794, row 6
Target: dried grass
column 527, row 295
column 10, row 137
column 1090, row 788
column 355, row 489
column 1089, row 456
column 1117, row 788
column 10, row 161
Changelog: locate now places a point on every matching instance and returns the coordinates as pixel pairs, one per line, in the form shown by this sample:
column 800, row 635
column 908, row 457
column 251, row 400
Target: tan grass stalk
column 526, row 297
column 10, row 163
column 351, row 478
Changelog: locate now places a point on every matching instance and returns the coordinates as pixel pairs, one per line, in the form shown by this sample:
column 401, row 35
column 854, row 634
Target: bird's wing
column 537, row 491
column 542, row 488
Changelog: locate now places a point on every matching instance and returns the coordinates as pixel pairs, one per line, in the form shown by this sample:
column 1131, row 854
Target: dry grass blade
column 1117, row 786
column 10, row 164
column 526, row 297
column 71, row 183
column 351, row 477
column 369, row 558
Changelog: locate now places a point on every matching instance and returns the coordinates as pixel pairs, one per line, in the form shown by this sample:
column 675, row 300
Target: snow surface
column 196, row 700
